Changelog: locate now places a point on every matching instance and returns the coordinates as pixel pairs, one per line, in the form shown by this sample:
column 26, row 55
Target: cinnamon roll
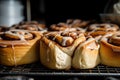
column 65, row 27
column 31, row 26
column 103, row 27
column 58, row 27
column 99, row 30
column 57, row 48
column 18, row 47
column 78, row 23
column 110, row 50
column 86, row 55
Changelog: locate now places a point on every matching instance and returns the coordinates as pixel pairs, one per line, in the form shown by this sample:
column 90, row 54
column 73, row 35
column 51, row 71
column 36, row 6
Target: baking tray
column 36, row 69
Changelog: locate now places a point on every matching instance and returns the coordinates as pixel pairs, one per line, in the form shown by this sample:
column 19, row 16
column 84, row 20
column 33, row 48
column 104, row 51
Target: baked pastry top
column 72, row 40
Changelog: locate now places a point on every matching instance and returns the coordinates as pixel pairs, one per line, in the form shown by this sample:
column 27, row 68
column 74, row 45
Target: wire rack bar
column 36, row 69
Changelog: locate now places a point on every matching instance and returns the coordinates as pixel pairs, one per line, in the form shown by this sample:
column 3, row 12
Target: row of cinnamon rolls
column 72, row 44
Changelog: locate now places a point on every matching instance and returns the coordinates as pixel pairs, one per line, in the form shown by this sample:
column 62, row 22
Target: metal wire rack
column 38, row 69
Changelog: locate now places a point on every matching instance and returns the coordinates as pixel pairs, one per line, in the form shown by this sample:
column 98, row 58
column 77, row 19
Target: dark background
column 59, row 10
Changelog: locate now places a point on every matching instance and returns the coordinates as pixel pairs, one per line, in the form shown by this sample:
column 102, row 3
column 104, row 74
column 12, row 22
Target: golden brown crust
column 31, row 26
column 115, row 39
column 58, row 27
column 109, row 53
column 103, row 27
column 77, row 23
column 74, row 25
column 52, row 57
column 86, row 55
column 14, row 55
column 98, row 30
column 55, row 56
column 68, row 48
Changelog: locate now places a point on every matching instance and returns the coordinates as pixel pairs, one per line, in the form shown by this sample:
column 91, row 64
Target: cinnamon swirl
column 103, row 27
column 19, row 47
column 110, row 50
column 97, row 30
column 65, row 27
column 56, row 48
column 78, row 23
column 31, row 26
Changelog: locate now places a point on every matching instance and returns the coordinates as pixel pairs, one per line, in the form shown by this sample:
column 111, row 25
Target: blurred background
column 49, row 11
column 54, row 11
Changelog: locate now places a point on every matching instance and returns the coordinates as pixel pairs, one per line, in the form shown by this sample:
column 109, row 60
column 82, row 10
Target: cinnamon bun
column 58, row 27
column 78, row 23
column 110, row 50
column 57, row 48
column 65, row 27
column 86, row 55
column 103, row 27
column 99, row 30
column 18, row 47
column 31, row 26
